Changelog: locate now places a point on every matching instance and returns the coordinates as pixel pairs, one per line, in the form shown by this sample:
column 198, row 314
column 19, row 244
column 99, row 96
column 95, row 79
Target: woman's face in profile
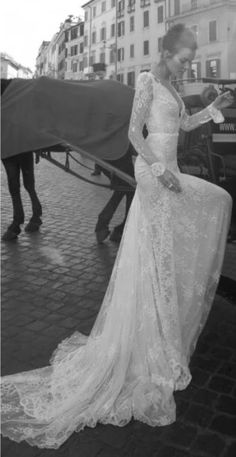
column 180, row 61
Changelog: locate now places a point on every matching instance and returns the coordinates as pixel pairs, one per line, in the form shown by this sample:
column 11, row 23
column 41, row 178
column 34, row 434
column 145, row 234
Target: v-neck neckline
column 181, row 104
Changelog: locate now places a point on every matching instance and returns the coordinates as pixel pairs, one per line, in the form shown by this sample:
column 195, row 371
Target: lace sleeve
column 207, row 114
column 140, row 112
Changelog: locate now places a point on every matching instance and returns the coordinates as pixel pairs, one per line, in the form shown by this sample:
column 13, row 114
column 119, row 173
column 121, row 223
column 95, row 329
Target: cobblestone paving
column 53, row 283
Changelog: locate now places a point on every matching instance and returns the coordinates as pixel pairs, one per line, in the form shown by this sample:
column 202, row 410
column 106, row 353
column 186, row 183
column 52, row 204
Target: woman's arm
column 195, row 120
column 140, row 112
column 211, row 112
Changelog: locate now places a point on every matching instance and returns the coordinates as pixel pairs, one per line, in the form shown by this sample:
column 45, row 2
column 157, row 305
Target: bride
column 161, row 288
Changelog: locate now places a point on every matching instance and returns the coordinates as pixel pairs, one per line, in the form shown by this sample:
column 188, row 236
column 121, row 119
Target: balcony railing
column 193, row 5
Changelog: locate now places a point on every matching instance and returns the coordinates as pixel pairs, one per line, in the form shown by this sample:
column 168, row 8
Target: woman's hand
column 168, row 179
column 223, row 101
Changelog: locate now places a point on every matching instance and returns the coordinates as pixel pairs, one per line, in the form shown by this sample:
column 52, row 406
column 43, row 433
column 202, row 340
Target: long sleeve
column 140, row 112
column 195, row 120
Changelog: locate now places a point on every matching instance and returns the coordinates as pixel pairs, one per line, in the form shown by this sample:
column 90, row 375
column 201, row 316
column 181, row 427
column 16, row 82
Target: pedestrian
column 14, row 166
column 121, row 190
column 97, row 170
column 161, row 288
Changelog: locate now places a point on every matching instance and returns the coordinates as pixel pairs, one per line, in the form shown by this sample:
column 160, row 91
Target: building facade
column 12, row 69
column 41, row 60
column 121, row 38
column 134, row 30
column 54, row 57
column 74, row 52
column 100, row 17
column 214, row 23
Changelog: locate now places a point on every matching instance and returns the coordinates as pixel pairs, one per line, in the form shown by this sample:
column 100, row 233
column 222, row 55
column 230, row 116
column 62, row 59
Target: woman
column 162, row 285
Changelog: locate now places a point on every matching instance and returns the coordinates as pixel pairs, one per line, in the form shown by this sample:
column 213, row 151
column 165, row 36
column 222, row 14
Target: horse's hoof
column 101, row 235
column 32, row 227
column 9, row 235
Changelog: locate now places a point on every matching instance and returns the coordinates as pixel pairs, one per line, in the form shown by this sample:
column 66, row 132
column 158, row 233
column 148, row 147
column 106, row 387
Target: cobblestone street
column 53, row 283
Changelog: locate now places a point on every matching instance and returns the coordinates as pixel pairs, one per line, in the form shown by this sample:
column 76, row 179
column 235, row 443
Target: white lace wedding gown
column 159, row 296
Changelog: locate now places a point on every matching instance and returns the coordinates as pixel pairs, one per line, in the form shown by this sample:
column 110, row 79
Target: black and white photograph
column 118, row 228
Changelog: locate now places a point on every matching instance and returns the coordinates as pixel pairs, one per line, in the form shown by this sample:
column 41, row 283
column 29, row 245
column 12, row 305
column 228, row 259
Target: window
column 74, row 33
column 86, row 16
column 194, row 72
column 81, row 29
column 176, row 7
column 81, row 66
column 120, row 54
column 121, row 8
column 92, row 58
column 74, row 50
column 146, row 48
column 112, row 57
column 113, row 3
column 74, row 67
column 131, row 53
column 193, row 4
column 212, row 31
column 103, row 7
column 131, row 6
column 131, row 78
column 103, row 34
column 85, row 41
column 160, row 14
column 93, row 37
column 213, row 68
column 120, row 78
column 102, row 57
column 113, row 30
column 146, row 19
column 121, row 28
column 85, row 61
column 94, row 11
column 131, row 23
column 144, row 3
column 159, row 44
column 81, row 48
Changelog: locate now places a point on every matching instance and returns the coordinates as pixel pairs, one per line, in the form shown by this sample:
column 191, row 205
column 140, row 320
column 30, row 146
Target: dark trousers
column 125, row 164
column 108, row 211
column 14, row 165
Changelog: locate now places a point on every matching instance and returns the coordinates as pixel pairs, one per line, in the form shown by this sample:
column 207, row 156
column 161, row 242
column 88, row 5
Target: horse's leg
column 27, row 168
column 13, row 178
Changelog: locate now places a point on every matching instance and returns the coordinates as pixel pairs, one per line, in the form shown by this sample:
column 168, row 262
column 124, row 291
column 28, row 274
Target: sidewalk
column 53, row 283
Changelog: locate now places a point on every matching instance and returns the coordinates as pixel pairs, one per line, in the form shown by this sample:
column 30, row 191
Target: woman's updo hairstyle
column 178, row 37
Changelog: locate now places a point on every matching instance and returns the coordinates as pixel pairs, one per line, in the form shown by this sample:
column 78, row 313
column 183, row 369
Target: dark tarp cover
column 92, row 115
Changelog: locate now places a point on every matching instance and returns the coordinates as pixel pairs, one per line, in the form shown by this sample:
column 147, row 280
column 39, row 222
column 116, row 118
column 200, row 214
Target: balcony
column 198, row 5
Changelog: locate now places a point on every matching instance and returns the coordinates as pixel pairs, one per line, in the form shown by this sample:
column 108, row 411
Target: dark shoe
column 116, row 235
column 33, row 226
column 101, row 235
column 10, row 234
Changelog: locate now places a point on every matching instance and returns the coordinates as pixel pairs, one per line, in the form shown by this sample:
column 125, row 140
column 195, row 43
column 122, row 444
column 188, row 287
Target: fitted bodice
column 163, row 125
column 164, row 114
